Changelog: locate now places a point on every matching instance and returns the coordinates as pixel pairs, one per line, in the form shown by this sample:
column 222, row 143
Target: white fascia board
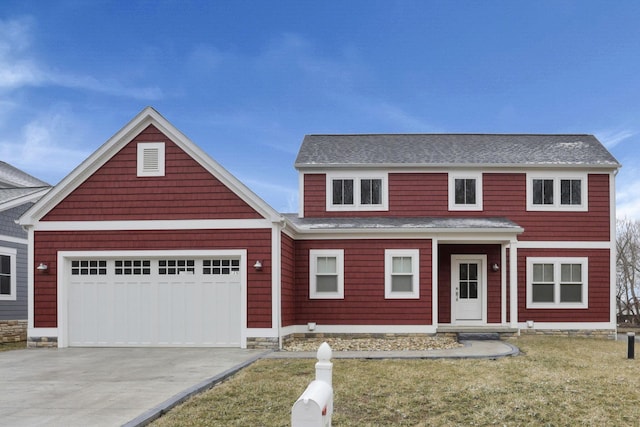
column 565, row 245
column 32, row 197
column 96, row 160
column 11, row 239
column 203, row 224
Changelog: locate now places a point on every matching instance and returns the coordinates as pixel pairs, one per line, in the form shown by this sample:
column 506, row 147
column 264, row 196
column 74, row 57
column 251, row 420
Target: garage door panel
column 170, row 309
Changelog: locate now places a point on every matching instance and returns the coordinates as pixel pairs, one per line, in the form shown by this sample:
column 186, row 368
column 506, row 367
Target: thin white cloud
column 48, row 147
column 282, row 198
column 611, row 138
column 628, row 193
column 19, row 67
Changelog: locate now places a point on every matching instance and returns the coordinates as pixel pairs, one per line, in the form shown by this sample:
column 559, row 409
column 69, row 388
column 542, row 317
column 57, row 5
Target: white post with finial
column 315, row 406
column 324, row 367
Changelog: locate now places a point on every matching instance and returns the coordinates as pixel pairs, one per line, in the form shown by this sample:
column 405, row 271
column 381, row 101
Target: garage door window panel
column 133, row 267
column 89, row 268
column 176, row 266
column 221, row 266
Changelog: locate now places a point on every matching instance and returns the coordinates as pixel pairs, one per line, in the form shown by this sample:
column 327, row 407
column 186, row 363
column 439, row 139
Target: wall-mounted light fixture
column 42, row 268
column 258, row 265
column 495, row 267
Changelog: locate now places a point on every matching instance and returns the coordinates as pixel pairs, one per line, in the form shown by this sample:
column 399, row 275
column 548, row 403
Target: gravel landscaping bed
column 413, row 343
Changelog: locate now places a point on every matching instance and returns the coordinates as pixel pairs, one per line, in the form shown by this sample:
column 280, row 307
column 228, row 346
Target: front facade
column 150, row 242
column 18, row 192
column 438, row 233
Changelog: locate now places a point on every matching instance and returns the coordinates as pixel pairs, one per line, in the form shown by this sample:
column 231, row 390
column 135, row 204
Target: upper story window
column 8, row 274
column 557, row 192
column 326, row 274
column 557, row 283
column 465, row 191
column 357, row 191
column 151, row 159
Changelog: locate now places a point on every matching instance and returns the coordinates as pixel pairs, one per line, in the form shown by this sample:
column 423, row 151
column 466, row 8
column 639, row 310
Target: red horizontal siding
column 364, row 302
column 256, row 242
column 598, row 288
column 115, row 192
column 504, row 195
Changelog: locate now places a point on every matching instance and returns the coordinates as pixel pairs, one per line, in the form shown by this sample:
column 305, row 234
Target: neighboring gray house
column 18, row 192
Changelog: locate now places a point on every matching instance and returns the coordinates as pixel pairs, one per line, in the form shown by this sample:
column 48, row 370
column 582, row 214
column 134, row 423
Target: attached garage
column 154, row 299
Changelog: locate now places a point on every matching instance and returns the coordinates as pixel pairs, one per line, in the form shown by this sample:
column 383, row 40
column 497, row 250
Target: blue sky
column 246, row 80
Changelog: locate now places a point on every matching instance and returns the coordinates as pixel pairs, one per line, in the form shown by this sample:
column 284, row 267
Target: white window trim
column 453, row 206
column 584, row 261
column 557, row 177
column 313, row 264
column 389, row 254
column 12, row 254
column 357, row 177
column 142, row 147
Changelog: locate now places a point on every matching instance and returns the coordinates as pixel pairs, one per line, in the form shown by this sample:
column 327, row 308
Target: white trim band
column 186, row 224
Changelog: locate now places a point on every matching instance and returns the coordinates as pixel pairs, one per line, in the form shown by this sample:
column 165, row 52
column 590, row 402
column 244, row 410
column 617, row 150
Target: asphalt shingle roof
column 453, row 150
column 11, row 176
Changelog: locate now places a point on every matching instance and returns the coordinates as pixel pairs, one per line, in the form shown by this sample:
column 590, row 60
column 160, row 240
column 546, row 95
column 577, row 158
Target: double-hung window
column 557, row 283
column 357, row 192
column 560, row 192
column 7, row 274
column 342, row 192
column 465, row 191
column 402, row 278
column 326, row 274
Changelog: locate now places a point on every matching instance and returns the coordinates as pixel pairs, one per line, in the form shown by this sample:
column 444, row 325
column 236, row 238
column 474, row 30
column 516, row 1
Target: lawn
column 6, row 346
column 555, row 382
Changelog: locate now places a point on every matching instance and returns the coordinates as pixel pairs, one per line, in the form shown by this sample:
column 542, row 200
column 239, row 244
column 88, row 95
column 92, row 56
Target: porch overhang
column 492, row 229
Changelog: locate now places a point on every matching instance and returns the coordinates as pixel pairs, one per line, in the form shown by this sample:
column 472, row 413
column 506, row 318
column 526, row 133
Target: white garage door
column 167, row 301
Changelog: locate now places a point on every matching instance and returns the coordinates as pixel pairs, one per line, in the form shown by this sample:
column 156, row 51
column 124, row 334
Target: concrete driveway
column 105, row 386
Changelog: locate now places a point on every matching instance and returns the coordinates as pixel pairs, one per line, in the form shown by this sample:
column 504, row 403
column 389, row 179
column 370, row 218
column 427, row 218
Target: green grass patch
column 556, row 381
column 6, row 346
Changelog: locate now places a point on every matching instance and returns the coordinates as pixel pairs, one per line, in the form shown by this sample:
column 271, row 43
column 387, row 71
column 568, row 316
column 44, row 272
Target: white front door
column 468, row 289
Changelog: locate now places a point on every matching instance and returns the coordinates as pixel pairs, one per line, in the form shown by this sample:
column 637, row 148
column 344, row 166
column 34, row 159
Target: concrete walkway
column 106, row 386
column 485, row 349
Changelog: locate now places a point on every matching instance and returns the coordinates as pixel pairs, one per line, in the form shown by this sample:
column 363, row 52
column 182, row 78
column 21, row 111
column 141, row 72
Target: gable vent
column 151, row 159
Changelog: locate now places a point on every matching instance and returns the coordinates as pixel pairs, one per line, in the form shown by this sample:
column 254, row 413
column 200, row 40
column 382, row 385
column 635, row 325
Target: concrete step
column 478, row 336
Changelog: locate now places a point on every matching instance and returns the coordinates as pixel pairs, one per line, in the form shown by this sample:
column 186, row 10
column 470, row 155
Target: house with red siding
column 151, row 242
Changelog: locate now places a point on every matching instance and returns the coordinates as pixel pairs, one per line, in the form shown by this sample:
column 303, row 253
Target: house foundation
column 13, row 330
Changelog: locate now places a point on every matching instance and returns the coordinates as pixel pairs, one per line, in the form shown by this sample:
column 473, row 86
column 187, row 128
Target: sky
column 246, row 80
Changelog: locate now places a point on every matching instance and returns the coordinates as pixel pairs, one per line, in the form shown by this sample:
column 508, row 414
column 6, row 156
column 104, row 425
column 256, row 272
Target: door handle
column 456, row 294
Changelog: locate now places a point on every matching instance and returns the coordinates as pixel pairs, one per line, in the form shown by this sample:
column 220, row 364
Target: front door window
column 468, row 284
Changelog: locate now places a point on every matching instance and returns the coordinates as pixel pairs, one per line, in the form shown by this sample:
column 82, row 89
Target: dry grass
column 6, row 346
column 557, row 381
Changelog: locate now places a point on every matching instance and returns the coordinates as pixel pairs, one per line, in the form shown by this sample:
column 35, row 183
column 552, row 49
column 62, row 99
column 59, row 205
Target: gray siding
column 17, row 310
